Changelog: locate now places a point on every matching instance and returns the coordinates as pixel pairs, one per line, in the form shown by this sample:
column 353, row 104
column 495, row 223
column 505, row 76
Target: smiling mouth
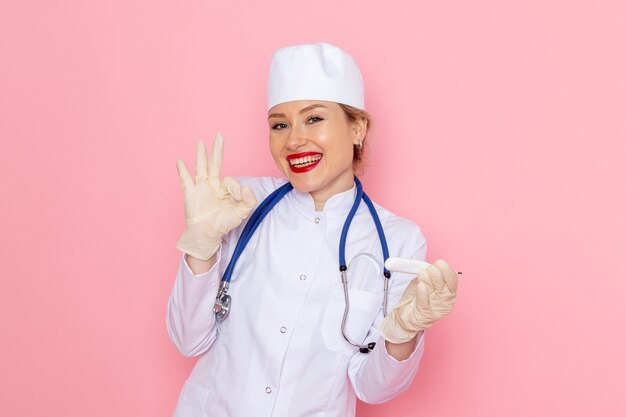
column 305, row 161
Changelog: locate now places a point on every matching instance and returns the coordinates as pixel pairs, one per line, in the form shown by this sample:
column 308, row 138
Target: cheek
column 275, row 151
column 343, row 146
column 349, row 153
column 344, row 152
column 338, row 143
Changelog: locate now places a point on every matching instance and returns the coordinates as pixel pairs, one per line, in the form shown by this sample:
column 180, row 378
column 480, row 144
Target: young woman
column 288, row 346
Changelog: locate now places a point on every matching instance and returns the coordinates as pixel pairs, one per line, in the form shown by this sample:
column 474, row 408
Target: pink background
column 499, row 128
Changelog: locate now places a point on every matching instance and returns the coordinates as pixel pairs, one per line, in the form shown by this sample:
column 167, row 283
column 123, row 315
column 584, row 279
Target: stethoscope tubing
column 223, row 300
column 259, row 214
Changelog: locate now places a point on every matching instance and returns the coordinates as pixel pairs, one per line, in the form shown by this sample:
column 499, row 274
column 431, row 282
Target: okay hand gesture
column 213, row 206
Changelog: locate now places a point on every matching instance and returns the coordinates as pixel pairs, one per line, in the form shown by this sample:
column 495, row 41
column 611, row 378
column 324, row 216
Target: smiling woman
column 353, row 115
column 291, row 307
column 313, row 142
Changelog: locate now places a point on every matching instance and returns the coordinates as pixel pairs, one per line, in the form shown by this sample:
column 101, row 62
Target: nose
column 296, row 138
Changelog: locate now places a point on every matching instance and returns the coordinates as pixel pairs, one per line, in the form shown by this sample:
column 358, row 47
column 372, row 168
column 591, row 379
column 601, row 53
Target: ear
column 359, row 130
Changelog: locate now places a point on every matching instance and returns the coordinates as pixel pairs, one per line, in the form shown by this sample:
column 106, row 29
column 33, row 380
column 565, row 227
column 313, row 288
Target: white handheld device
column 404, row 265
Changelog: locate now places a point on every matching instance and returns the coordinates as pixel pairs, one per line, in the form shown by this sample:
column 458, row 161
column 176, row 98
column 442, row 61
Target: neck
column 319, row 205
column 321, row 197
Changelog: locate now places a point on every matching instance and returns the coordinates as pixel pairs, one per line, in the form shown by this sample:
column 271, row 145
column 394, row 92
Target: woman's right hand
column 213, row 206
column 428, row 297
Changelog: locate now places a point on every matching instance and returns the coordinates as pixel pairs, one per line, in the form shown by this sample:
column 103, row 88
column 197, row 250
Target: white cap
column 314, row 72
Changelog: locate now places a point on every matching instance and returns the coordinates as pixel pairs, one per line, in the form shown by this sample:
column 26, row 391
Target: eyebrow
column 304, row 110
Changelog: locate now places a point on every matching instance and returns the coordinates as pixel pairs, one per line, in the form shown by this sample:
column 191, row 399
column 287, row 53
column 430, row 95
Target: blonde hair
column 353, row 114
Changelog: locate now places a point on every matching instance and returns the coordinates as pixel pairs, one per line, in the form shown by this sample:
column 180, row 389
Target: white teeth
column 305, row 161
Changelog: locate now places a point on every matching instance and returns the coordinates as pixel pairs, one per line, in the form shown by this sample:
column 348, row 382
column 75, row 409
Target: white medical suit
column 280, row 352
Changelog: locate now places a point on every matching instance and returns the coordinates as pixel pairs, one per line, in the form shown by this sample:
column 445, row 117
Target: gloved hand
column 213, row 207
column 427, row 298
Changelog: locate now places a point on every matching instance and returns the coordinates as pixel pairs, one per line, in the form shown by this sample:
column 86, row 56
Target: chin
column 301, row 182
column 302, row 185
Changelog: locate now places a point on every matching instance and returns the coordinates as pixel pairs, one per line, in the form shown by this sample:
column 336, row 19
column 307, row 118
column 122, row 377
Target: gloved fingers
column 422, row 298
column 201, row 162
column 234, row 188
column 217, row 155
column 247, row 196
column 450, row 276
column 424, row 277
column 409, row 292
column 436, row 277
column 185, row 178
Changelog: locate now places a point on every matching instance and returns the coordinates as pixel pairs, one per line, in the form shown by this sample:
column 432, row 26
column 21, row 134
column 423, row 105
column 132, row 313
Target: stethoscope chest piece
column 221, row 308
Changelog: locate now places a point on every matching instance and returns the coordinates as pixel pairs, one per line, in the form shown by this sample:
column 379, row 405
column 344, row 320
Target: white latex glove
column 427, row 298
column 213, row 207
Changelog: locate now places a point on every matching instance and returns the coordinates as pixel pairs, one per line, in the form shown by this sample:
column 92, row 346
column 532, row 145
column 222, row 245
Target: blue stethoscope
column 223, row 300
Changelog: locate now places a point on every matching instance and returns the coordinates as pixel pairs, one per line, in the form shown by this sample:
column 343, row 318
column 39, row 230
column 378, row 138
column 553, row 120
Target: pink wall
column 499, row 129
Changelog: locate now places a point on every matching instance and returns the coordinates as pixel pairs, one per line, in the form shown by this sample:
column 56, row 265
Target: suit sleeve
column 190, row 319
column 376, row 376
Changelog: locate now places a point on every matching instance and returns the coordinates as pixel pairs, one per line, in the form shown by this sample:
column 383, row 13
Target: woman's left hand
column 427, row 298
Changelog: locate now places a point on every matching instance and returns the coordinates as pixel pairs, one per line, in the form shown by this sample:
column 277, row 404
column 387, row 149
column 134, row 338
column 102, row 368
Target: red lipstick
column 302, row 155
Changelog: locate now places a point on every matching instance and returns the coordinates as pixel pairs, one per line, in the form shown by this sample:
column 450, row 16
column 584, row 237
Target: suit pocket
column 364, row 307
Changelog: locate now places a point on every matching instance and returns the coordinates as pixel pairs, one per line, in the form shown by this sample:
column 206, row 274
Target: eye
column 314, row 119
column 279, row 126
